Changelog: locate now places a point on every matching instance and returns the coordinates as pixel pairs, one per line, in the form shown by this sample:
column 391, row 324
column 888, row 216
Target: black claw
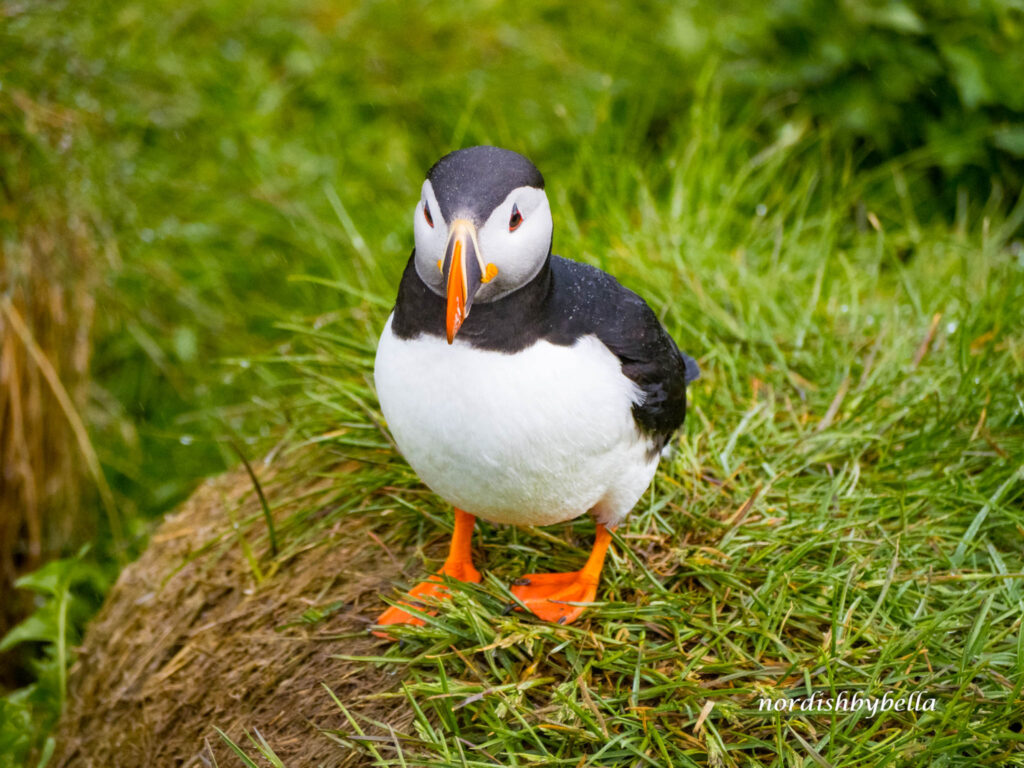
column 561, row 620
column 521, row 582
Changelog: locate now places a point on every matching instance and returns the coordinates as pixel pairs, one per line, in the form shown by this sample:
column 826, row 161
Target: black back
column 567, row 300
column 480, row 177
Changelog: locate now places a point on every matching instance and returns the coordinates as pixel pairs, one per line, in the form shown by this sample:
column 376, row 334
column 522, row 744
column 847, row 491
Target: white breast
column 530, row 438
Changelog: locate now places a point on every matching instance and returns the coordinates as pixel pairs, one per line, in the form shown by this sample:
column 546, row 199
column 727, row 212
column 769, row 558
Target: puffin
column 523, row 388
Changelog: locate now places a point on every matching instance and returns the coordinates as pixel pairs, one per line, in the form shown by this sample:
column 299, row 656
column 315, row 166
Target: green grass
column 843, row 512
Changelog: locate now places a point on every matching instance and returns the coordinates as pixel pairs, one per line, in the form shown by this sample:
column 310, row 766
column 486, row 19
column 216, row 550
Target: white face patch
column 518, row 253
column 430, row 240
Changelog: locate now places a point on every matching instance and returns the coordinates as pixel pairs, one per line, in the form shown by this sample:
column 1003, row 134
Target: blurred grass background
column 184, row 185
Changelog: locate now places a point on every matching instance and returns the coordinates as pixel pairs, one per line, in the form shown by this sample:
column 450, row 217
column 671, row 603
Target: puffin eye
column 516, row 219
column 426, row 214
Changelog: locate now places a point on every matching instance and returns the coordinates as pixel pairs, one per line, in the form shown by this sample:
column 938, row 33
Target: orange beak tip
column 456, row 315
column 456, row 312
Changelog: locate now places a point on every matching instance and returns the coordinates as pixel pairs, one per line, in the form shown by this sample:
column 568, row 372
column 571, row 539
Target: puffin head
column 483, row 228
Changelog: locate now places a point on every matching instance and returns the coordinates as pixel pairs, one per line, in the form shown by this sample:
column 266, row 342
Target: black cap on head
column 475, row 180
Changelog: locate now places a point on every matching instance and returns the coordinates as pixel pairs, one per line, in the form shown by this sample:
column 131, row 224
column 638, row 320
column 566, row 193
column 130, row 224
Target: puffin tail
column 692, row 370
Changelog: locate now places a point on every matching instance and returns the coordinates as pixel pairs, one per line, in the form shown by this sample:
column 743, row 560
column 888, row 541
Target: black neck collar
column 508, row 324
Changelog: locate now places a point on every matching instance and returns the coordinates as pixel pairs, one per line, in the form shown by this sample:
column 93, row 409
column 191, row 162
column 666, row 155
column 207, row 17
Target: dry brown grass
column 50, row 269
column 46, row 315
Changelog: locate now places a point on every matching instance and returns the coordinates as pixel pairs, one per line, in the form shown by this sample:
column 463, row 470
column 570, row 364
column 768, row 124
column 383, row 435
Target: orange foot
column 548, row 594
column 432, row 587
column 459, row 565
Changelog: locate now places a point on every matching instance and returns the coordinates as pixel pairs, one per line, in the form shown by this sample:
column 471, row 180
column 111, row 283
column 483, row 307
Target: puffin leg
column 546, row 593
column 458, row 565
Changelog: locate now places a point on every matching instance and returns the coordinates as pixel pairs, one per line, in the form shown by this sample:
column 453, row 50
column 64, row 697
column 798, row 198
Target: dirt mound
column 194, row 637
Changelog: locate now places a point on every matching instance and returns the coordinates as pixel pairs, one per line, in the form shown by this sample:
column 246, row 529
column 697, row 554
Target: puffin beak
column 463, row 273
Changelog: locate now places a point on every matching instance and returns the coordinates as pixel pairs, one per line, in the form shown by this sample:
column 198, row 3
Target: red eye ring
column 516, row 219
column 426, row 214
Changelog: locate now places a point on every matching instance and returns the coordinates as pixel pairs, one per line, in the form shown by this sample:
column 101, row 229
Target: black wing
column 586, row 300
